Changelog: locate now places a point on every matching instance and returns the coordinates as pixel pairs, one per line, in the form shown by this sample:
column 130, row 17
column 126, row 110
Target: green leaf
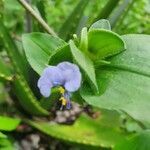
column 26, row 98
column 8, row 124
column 103, row 43
column 103, row 131
column 84, row 40
column 124, row 84
column 2, row 135
column 7, row 143
column 100, row 24
column 138, row 142
column 72, row 22
column 61, row 54
column 85, row 64
column 38, row 48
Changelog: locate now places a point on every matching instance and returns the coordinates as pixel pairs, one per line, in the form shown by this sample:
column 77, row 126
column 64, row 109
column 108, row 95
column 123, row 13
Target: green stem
column 37, row 17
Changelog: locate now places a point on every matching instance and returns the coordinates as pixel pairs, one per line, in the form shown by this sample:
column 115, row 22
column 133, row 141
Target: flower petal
column 51, row 77
column 53, row 74
column 45, row 90
column 72, row 76
column 72, row 85
column 43, row 80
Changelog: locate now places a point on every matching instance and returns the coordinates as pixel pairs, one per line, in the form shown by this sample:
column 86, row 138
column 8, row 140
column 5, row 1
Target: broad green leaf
column 5, row 71
column 124, row 84
column 2, row 135
column 103, row 131
column 139, row 142
column 100, row 24
column 103, row 43
column 8, row 124
column 86, row 65
column 72, row 22
column 136, row 57
column 38, row 48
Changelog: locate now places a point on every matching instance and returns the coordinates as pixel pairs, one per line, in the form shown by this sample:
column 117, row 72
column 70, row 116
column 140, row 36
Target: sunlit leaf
column 7, row 144
column 124, row 84
column 103, row 131
column 2, row 135
column 8, row 124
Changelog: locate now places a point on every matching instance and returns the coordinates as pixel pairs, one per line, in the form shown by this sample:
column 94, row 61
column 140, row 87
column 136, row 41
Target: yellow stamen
column 63, row 101
column 62, row 90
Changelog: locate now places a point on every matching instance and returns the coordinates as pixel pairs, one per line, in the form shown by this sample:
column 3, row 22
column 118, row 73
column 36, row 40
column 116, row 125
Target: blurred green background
column 129, row 16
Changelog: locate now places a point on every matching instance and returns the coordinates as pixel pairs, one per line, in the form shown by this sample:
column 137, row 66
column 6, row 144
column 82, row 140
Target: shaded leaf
column 103, row 43
column 61, row 54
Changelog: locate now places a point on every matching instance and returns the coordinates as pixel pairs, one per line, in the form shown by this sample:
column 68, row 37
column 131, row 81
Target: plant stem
column 37, row 17
column 28, row 25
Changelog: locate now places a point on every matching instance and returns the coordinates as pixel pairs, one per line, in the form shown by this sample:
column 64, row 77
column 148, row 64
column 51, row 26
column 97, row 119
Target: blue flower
column 66, row 76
